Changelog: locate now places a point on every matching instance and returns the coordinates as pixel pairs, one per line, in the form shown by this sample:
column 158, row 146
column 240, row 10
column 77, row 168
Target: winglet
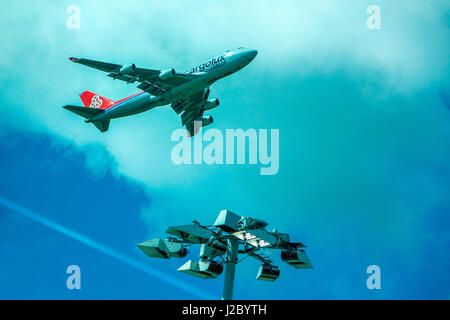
column 73, row 59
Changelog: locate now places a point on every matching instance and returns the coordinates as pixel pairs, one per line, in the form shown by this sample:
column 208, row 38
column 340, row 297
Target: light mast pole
column 230, row 268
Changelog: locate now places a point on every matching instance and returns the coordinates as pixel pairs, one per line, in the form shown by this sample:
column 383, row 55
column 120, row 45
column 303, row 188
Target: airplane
column 187, row 93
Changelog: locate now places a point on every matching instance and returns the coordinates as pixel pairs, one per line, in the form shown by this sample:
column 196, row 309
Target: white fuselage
column 207, row 73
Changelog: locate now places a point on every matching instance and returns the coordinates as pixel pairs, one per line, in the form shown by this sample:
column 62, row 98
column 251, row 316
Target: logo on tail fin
column 96, row 102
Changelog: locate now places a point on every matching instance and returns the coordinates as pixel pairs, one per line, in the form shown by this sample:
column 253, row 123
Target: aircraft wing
column 191, row 109
column 148, row 78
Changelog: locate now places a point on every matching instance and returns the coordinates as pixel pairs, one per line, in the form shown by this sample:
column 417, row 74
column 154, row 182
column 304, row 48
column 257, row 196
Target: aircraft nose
column 252, row 54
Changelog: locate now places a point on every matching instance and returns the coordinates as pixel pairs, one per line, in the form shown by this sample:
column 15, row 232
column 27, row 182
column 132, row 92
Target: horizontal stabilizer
column 83, row 111
column 88, row 113
column 102, row 125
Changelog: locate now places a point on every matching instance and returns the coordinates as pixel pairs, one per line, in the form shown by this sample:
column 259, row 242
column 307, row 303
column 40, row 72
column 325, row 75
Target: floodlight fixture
column 221, row 244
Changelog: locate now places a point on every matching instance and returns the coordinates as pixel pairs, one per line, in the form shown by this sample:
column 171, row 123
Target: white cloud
column 297, row 42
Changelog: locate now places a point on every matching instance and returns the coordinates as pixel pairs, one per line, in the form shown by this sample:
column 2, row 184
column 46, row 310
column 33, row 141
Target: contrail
column 104, row 249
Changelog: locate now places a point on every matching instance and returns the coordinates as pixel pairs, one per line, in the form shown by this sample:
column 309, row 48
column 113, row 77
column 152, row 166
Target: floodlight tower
column 221, row 243
column 230, row 268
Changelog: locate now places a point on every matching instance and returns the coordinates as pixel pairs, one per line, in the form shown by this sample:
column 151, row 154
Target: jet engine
column 128, row 69
column 206, row 121
column 166, row 74
column 211, row 104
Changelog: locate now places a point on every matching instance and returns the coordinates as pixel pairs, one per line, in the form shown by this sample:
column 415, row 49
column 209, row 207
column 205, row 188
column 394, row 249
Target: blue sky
column 364, row 147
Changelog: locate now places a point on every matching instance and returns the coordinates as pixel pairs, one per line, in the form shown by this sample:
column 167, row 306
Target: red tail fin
column 93, row 100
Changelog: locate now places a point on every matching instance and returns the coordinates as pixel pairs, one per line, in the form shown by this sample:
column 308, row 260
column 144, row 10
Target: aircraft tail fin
column 93, row 100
